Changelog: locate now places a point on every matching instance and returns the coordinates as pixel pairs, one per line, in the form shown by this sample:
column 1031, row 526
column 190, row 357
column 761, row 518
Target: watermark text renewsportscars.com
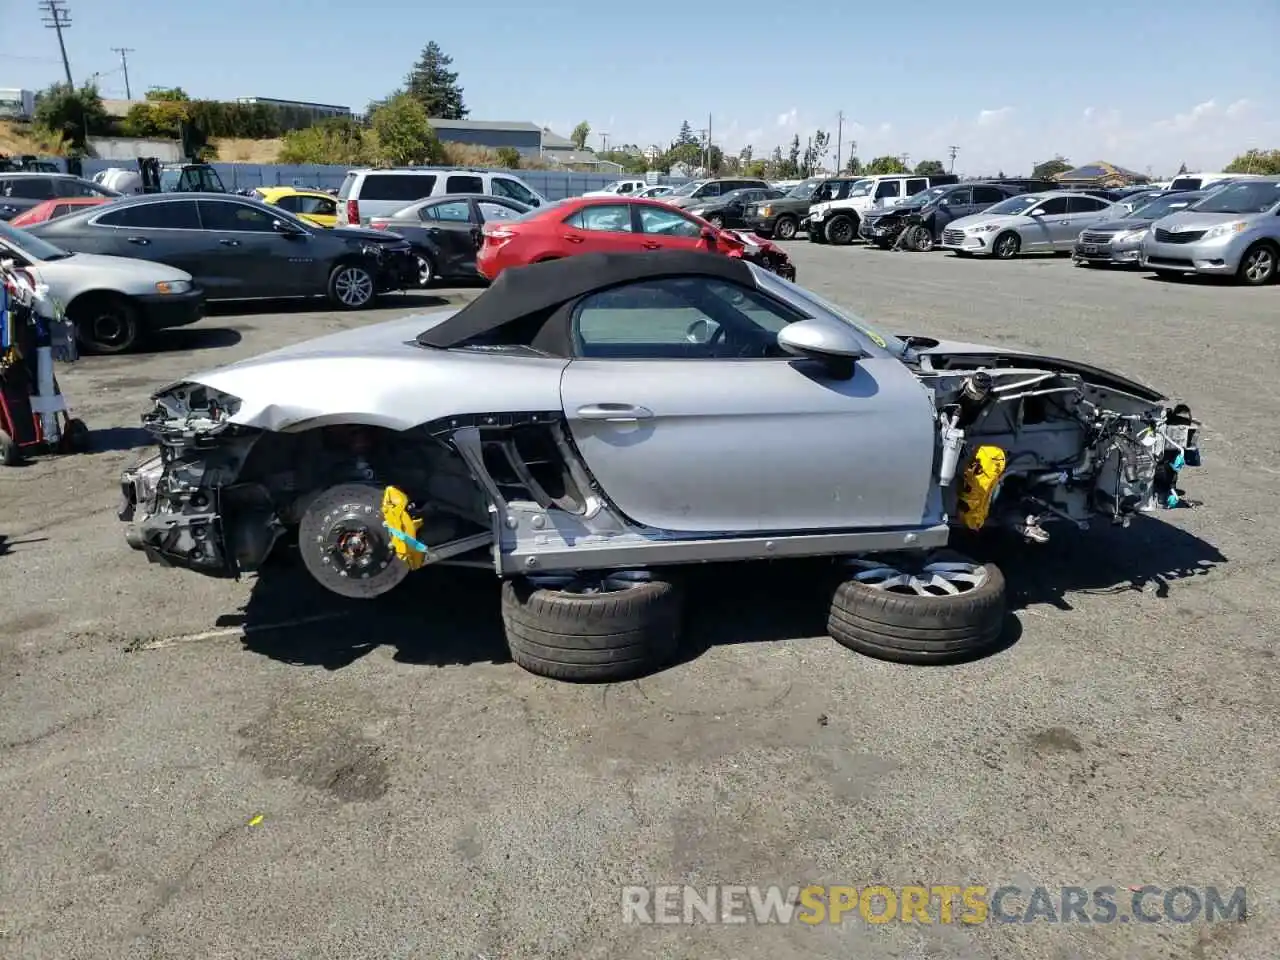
column 937, row 903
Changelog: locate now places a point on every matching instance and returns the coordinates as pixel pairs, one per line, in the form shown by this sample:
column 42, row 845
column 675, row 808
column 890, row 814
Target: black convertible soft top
column 520, row 292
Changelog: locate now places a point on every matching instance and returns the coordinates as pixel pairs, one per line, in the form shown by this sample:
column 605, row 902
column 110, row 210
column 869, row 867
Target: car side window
column 459, row 183
column 514, row 190
column 679, row 318
column 917, row 185
column 1085, row 204
column 495, row 211
column 988, row 195
column 709, row 190
column 888, row 188
column 60, row 210
column 958, row 198
column 666, row 222
column 605, row 218
column 163, row 215
column 31, row 188
column 1052, row 206
column 234, row 217
column 288, row 202
column 454, row 211
column 317, row 206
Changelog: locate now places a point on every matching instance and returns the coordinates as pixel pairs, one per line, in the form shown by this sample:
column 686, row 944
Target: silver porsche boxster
column 587, row 426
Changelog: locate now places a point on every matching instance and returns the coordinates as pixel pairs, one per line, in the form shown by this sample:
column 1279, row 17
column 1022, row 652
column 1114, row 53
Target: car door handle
column 651, row 245
column 230, row 243
column 614, row 412
column 140, row 241
column 573, row 239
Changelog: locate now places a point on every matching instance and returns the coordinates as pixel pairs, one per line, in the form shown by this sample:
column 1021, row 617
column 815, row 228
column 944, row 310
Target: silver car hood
column 1185, row 220
column 116, row 268
column 379, row 375
column 981, row 351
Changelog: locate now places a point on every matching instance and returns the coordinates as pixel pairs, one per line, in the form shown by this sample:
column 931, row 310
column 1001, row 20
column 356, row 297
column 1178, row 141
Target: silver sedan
column 1029, row 223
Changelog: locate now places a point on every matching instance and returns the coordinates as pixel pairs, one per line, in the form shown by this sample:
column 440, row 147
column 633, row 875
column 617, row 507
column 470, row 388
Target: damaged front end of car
column 1024, row 441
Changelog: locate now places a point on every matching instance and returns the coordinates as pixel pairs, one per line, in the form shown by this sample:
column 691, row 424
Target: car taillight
column 497, row 236
column 353, row 213
column 377, row 226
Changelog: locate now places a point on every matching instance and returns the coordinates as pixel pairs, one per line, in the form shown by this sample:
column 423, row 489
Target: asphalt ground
column 198, row 768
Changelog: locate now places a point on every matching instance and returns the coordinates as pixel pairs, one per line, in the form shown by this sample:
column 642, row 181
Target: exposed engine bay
column 1021, row 445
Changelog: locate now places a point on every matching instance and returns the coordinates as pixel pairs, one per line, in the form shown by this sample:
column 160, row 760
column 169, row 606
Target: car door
column 451, row 233
column 250, row 257
column 1081, row 212
column 164, row 230
column 601, row 228
column 888, row 193
column 669, row 228
column 1048, row 222
column 952, row 205
column 691, row 419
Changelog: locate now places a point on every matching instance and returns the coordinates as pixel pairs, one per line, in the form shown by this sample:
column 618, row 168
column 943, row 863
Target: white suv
column 380, row 193
column 837, row 221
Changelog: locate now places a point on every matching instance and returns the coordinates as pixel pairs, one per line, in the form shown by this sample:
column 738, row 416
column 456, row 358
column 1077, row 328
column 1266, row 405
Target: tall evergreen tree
column 686, row 134
column 435, row 86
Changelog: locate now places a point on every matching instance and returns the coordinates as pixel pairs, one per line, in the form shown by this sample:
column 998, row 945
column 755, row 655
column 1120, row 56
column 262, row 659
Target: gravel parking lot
column 419, row 796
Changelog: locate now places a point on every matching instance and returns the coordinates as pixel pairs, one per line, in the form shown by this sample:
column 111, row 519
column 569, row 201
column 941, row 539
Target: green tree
column 928, row 168
column 689, row 154
column 886, row 164
column 163, row 94
column 1048, row 169
column 580, row 134
column 744, row 155
column 75, row 115
column 758, row 169
column 685, row 136
column 509, row 157
column 1266, row 162
column 434, row 85
column 404, row 137
column 630, row 162
column 337, row 140
column 853, row 166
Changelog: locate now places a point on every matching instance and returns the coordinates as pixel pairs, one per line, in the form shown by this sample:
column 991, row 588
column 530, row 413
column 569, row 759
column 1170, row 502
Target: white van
column 380, row 193
column 1204, row 181
column 837, row 221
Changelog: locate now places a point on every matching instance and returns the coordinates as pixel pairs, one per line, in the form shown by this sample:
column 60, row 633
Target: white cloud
column 994, row 118
column 1193, row 118
column 789, row 119
column 1088, row 113
column 1239, row 108
column 885, row 129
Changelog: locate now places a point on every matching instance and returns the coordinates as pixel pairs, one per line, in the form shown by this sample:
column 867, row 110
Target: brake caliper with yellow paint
column 981, row 478
column 403, row 528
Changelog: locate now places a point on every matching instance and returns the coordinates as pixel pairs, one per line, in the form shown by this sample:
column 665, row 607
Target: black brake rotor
column 344, row 544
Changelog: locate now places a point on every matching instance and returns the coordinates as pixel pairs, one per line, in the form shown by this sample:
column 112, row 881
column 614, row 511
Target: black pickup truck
column 781, row 218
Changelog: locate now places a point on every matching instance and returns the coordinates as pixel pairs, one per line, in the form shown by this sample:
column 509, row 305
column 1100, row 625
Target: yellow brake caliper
column 981, row 478
column 403, row 528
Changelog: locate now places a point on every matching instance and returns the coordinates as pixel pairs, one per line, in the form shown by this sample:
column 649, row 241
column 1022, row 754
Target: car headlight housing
column 1226, row 229
column 173, row 286
column 765, row 211
column 1129, row 236
column 984, row 228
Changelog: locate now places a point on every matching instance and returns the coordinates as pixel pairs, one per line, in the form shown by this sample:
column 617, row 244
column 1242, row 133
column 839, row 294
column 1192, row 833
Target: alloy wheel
column 938, row 578
column 1259, row 265
column 354, row 286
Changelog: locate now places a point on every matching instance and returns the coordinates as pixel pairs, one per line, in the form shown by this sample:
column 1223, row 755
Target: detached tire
column 916, row 621
column 591, row 637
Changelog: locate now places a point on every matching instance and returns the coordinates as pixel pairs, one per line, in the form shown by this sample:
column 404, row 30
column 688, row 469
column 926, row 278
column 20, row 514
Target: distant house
column 562, row 151
column 1099, row 174
column 524, row 137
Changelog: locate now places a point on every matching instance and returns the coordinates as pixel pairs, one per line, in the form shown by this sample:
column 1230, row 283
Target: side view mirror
column 708, row 234
column 287, row 229
column 1037, row 212
column 832, row 344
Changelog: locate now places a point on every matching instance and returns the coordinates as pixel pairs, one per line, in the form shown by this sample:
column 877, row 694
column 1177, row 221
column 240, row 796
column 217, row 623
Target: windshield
column 804, row 189
column 32, row 246
column 860, row 188
column 927, row 197
column 1257, row 196
column 1014, row 205
column 1163, row 206
column 688, row 189
column 793, row 293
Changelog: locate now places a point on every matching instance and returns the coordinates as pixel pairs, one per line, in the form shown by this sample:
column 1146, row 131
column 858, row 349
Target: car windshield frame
column 876, row 339
column 860, row 188
column 1238, row 198
column 688, row 189
column 804, row 189
column 1015, row 206
column 31, row 246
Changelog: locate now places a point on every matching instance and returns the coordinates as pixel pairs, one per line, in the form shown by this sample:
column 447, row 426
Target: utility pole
column 124, row 65
column 58, row 17
column 952, row 151
column 839, row 138
column 604, row 143
column 904, row 157
column 708, row 165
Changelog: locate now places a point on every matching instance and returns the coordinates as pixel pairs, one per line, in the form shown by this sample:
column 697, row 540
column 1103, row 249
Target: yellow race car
column 313, row 206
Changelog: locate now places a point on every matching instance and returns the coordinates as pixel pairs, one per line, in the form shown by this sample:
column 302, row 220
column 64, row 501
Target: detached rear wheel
column 937, row 609
column 591, row 627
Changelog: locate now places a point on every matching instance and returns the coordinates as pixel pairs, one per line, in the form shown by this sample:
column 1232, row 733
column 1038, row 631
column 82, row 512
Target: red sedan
column 53, row 209
column 612, row 225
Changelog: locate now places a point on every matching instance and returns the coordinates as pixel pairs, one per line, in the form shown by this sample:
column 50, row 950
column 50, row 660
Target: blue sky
column 1141, row 85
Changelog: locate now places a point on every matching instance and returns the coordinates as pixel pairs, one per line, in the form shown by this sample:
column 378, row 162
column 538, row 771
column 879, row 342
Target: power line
column 124, row 65
column 58, row 19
